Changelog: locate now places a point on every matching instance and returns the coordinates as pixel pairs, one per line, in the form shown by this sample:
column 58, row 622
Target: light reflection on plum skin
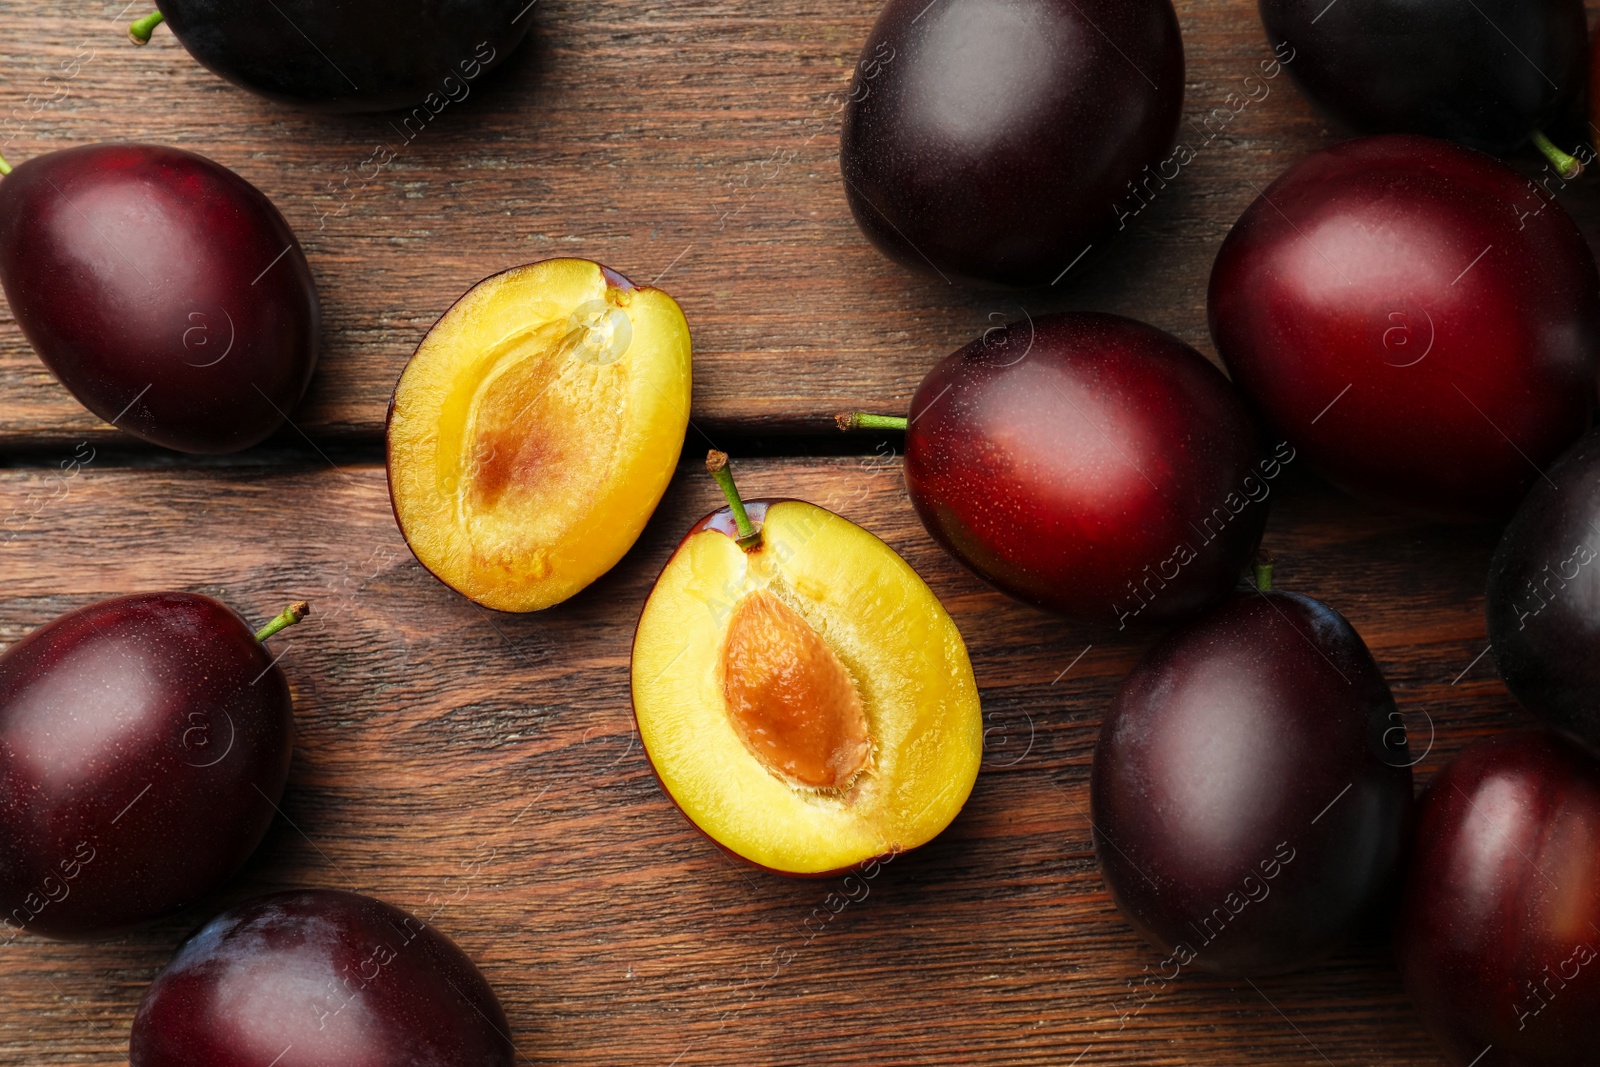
column 989, row 141
column 164, row 291
column 1071, row 471
column 315, row 977
column 1417, row 319
column 1308, row 792
column 1498, row 936
column 152, row 732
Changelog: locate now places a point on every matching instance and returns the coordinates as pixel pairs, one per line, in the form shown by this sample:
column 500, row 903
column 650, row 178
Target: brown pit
column 792, row 702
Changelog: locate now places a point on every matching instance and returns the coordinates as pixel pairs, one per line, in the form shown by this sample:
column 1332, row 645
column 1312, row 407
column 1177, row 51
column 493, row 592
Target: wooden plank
column 694, row 142
column 482, row 770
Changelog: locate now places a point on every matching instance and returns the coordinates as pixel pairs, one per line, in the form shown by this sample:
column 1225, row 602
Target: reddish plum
column 1089, row 464
column 162, row 289
column 319, row 977
column 1499, row 931
column 1417, row 319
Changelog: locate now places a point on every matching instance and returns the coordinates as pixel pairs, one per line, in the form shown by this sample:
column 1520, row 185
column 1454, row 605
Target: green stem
column 1566, row 166
column 749, row 537
column 287, row 618
column 860, row 420
column 5, row 168
column 1263, row 568
column 139, row 30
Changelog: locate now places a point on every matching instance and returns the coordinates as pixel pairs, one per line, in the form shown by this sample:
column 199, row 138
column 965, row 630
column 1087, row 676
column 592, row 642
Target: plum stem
column 139, row 30
column 749, row 537
column 5, row 168
column 861, row 420
column 1263, row 568
column 286, row 618
column 1566, row 166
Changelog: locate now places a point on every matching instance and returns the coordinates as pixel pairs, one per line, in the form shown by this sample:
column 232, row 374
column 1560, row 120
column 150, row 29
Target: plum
column 1251, row 788
column 353, row 55
column 992, row 141
column 144, row 743
column 1417, row 319
column 162, row 289
column 315, row 977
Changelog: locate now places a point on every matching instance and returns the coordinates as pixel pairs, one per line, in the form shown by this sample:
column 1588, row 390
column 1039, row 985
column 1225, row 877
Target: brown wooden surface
column 482, row 770
column 690, row 141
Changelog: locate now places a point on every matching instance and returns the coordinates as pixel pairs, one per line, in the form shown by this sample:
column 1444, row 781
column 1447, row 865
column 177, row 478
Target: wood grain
column 482, row 771
column 689, row 142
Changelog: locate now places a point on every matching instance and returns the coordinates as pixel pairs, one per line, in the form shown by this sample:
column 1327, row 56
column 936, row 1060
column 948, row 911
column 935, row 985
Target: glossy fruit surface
column 1485, row 74
column 1594, row 79
column 807, row 703
column 162, row 289
column 1543, row 598
column 1251, row 788
column 351, row 55
column 143, row 743
column 1499, row 932
column 535, row 429
column 1092, row 465
column 991, row 141
column 319, row 978
column 1416, row 320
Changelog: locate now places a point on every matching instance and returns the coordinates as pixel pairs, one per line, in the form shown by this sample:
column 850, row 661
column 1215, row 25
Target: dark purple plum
column 1417, row 319
column 319, row 978
column 1089, row 464
column 1543, row 598
column 1251, row 789
column 1498, row 936
column 144, row 743
column 1485, row 73
column 992, row 141
column 349, row 55
column 162, row 289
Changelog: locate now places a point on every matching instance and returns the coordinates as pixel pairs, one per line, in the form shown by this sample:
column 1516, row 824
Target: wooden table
column 482, row 770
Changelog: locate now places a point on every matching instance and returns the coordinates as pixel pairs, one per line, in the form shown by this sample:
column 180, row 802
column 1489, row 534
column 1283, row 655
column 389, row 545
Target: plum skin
column 353, row 56
column 1251, row 789
column 321, row 976
column 1484, row 76
column 1543, row 597
column 992, row 465
column 991, row 141
column 163, row 290
column 1496, row 937
column 118, row 809
column 1417, row 319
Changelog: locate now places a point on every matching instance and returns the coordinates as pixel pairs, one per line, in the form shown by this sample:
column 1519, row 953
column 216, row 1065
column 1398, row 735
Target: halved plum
column 803, row 696
column 536, row 427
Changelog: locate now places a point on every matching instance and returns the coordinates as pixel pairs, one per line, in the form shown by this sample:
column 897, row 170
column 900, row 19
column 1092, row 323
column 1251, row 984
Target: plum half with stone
column 803, row 696
column 536, row 427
